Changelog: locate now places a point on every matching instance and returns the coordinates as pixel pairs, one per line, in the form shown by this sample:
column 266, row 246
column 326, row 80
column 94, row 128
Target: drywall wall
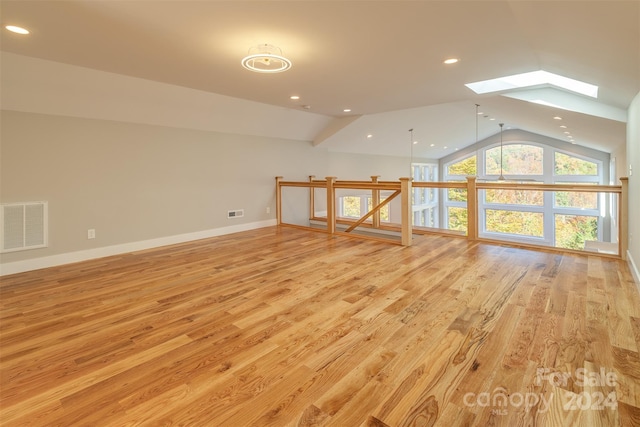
column 136, row 182
column 347, row 166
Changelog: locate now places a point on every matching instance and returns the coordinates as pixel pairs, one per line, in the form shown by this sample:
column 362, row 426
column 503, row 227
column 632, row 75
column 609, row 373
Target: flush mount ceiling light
column 266, row 58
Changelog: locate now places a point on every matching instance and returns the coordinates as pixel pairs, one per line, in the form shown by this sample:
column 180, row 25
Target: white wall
column 633, row 165
column 139, row 183
column 362, row 166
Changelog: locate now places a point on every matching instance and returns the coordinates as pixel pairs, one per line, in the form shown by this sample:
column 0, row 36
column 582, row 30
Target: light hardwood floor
column 280, row 326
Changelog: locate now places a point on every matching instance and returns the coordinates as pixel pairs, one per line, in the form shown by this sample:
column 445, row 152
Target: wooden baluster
column 472, row 208
column 406, row 223
column 375, row 201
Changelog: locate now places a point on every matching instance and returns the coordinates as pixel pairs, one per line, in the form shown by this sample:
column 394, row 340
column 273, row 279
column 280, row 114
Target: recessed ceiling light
column 347, row 110
column 432, row 145
column 563, row 126
column 492, row 118
column 557, row 118
column 445, row 147
column 480, row 113
column 567, row 132
column 17, row 30
column 415, row 142
column 294, row 97
column 450, row 61
column 369, row 136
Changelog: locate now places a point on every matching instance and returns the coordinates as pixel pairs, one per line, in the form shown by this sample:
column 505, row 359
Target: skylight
column 534, row 78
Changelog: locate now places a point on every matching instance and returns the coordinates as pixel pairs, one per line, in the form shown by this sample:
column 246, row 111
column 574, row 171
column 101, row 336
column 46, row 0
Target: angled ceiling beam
column 335, row 126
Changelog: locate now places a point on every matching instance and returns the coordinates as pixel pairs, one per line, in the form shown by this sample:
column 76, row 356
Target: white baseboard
column 634, row 269
column 67, row 258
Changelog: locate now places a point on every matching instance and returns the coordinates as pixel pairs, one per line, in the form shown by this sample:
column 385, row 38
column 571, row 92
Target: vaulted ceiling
column 382, row 60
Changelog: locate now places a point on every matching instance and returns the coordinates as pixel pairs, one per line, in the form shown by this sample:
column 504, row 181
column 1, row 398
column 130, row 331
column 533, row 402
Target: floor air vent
column 23, row 226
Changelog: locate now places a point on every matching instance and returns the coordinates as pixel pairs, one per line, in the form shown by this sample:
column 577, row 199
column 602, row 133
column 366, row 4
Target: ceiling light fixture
column 17, row 30
column 266, row 58
column 557, row 118
column 294, row 97
column 451, row 61
column 347, row 110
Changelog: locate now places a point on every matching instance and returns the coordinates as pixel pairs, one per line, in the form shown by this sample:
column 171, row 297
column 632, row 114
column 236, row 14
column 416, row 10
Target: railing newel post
column 623, row 222
column 312, row 198
column 331, row 204
column 406, row 220
column 375, row 201
column 278, row 200
column 472, row 208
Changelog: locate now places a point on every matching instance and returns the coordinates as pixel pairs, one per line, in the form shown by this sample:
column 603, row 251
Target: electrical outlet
column 91, row 233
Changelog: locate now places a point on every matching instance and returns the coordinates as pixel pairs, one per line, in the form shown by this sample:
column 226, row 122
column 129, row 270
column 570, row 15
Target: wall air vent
column 239, row 213
column 23, row 226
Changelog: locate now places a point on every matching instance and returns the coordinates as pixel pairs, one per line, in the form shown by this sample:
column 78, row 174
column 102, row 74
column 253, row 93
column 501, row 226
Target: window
column 425, row 204
column 572, row 231
column 517, row 159
column 357, row 206
column 577, row 200
column 514, row 222
column 465, row 167
column 455, row 204
column 565, row 219
column 384, row 211
column 350, row 207
column 514, row 197
column 569, row 165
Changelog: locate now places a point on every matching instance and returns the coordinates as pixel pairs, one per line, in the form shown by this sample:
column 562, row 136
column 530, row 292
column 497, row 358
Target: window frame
column 548, row 208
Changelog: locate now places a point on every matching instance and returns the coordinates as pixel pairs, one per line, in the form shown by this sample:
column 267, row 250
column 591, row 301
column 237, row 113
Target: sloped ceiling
column 178, row 63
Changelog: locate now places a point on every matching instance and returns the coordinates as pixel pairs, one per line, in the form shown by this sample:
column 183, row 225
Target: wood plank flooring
column 286, row 327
